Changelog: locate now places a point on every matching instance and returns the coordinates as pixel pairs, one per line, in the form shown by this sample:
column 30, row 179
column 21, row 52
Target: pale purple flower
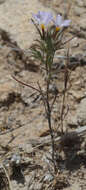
column 59, row 22
column 42, row 17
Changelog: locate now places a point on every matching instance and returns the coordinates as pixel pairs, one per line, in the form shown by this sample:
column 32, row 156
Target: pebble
column 48, row 177
column 16, row 158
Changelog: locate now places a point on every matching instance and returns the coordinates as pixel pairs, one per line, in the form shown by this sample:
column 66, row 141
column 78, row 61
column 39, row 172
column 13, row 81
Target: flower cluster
column 44, row 18
column 51, row 38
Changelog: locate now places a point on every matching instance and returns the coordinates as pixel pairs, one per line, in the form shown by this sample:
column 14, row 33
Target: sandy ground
column 22, row 110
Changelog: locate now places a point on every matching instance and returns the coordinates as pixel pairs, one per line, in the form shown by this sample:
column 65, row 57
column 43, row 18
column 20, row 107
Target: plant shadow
column 17, row 174
column 71, row 154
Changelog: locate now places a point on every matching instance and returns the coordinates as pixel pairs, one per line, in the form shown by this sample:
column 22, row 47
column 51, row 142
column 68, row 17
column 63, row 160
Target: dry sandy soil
column 23, row 121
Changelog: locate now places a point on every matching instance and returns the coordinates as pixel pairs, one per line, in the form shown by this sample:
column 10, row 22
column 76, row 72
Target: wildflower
column 43, row 18
column 59, row 23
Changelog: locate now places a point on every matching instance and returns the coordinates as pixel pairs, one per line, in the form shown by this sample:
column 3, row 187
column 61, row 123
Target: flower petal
column 42, row 17
column 59, row 20
column 66, row 23
column 47, row 18
column 36, row 18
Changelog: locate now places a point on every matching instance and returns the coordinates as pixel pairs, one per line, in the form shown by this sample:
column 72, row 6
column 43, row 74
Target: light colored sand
column 15, row 17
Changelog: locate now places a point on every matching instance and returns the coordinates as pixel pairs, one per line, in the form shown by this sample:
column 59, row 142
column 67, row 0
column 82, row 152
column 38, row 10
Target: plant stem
column 52, row 136
column 50, row 125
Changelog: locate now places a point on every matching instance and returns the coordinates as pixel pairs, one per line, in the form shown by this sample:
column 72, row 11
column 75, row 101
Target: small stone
column 53, row 89
column 48, row 177
column 16, row 159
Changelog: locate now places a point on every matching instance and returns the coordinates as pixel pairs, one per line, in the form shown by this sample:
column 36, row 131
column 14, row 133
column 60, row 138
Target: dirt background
column 22, row 119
